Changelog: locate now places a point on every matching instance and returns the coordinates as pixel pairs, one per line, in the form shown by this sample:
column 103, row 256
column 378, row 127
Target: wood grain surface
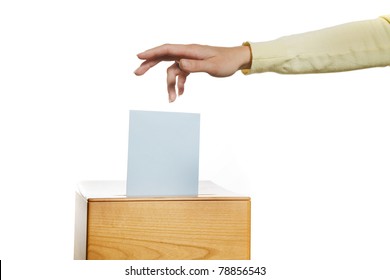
column 169, row 229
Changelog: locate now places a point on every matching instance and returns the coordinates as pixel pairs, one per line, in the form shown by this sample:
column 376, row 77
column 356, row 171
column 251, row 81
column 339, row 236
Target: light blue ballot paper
column 163, row 154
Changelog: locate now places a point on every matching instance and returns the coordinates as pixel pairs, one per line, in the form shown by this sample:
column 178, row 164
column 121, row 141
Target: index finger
column 172, row 52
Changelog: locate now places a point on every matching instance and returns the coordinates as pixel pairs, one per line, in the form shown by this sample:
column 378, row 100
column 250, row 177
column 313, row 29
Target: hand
column 216, row 61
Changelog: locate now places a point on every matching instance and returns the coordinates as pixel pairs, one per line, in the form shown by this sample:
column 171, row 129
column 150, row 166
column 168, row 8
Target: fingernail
column 172, row 98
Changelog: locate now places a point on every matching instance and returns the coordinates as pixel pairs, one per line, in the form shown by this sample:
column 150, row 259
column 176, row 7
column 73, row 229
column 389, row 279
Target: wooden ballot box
column 213, row 225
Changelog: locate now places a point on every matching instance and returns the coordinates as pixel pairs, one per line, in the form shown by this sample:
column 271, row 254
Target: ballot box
column 215, row 224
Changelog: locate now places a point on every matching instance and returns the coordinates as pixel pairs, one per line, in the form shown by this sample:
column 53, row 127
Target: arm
column 350, row 46
column 345, row 47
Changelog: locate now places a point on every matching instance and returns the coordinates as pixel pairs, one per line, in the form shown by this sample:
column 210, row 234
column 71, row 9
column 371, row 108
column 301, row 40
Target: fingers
column 174, row 73
column 192, row 58
column 145, row 66
column 181, row 79
column 169, row 52
column 174, row 51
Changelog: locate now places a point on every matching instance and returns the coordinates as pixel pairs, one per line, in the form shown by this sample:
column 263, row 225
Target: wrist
column 245, row 55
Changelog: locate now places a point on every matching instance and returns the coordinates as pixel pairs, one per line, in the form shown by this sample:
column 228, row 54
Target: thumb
column 193, row 65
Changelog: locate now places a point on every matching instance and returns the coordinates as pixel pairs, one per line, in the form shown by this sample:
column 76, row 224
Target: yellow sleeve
column 350, row 46
column 387, row 18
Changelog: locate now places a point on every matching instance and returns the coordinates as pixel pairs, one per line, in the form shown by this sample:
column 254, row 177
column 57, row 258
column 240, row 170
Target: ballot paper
column 163, row 154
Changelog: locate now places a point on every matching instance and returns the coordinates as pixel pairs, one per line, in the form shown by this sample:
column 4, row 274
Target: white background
column 312, row 150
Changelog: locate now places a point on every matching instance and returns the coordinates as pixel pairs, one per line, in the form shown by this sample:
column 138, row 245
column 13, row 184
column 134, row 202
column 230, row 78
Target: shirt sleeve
column 350, row 46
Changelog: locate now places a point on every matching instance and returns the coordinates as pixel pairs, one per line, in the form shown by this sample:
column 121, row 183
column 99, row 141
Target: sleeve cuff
column 248, row 71
column 386, row 18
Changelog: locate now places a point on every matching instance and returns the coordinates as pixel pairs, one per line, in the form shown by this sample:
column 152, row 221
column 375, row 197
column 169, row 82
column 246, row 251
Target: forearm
column 345, row 47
